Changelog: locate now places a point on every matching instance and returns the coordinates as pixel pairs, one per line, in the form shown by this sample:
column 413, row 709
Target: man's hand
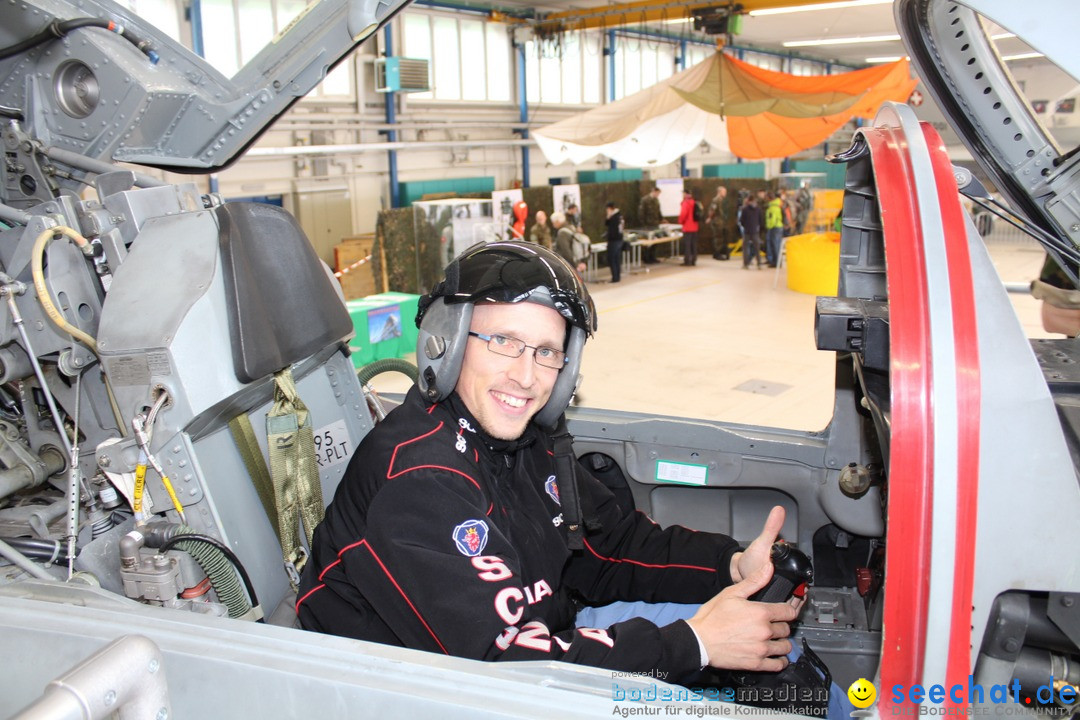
column 743, row 564
column 740, row 634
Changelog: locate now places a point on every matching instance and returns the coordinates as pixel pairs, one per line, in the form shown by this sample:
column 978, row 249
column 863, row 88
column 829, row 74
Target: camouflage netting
column 395, row 241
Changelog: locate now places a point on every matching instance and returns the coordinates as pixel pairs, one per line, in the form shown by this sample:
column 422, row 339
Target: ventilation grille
column 399, row 74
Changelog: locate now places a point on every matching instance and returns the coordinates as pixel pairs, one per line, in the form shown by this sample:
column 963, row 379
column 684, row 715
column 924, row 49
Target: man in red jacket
column 689, row 217
column 464, row 526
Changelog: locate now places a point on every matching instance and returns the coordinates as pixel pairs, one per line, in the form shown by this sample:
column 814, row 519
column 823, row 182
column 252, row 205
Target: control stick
column 792, row 570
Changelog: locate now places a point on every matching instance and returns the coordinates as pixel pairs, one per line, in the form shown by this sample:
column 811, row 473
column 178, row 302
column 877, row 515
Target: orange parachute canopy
column 730, row 104
column 771, row 134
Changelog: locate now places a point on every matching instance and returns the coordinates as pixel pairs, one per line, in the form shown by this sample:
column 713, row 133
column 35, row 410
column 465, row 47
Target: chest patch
column 471, row 537
column 552, row 489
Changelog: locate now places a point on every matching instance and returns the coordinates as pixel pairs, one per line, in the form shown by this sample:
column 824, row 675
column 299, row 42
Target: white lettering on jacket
column 503, row 599
column 533, row 636
column 600, row 636
column 492, row 569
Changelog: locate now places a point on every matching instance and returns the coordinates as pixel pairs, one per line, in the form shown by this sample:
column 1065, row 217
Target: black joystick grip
column 792, row 570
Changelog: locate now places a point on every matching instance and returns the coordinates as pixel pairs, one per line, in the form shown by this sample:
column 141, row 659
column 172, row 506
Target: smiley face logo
column 862, row 693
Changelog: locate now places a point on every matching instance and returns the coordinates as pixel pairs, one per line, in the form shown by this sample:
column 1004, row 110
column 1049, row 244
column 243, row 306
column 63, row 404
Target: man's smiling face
column 504, row 393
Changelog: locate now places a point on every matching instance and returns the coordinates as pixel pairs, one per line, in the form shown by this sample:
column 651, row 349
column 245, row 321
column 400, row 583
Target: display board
column 502, row 202
column 671, row 190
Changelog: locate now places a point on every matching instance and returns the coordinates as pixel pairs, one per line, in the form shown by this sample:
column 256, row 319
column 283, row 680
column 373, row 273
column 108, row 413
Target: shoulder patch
column 471, row 537
column 552, row 489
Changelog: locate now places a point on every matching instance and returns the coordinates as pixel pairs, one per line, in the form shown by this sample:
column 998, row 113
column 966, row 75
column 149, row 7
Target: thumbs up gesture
column 740, row 634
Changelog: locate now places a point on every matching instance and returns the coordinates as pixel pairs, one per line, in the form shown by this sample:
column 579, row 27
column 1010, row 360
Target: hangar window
column 565, row 71
column 227, row 49
column 641, row 62
column 469, row 57
column 768, row 61
column 697, row 53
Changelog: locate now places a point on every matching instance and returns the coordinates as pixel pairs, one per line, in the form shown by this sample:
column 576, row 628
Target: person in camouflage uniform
column 540, row 233
column 716, row 219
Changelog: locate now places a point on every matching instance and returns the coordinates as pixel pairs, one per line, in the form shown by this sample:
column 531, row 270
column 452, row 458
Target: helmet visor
column 510, row 272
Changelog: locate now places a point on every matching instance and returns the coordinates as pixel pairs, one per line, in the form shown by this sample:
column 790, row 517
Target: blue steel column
column 523, row 105
column 195, row 18
column 611, row 74
column 391, row 135
column 681, row 61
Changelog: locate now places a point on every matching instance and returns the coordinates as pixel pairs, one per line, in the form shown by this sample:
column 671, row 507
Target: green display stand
column 385, row 327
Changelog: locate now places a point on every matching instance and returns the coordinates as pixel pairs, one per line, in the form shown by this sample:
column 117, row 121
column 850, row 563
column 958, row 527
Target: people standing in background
column 804, row 202
column 689, row 215
column 564, row 242
column 750, row 221
column 787, row 204
column 573, row 217
column 717, row 222
column 540, row 233
column 650, row 218
column 774, row 228
column 615, row 227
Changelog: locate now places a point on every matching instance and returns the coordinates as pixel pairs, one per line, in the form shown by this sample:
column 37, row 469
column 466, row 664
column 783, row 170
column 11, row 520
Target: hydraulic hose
column 37, row 271
column 24, row 562
column 59, row 28
column 224, row 577
column 50, row 551
column 37, row 267
column 366, row 373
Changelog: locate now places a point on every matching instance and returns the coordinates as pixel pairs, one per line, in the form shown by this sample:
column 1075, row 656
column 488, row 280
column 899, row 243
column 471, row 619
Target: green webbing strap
column 293, row 470
column 244, row 437
column 290, row 487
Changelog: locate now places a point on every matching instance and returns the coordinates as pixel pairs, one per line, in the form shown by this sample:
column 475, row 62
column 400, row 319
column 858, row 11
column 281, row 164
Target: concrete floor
column 717, row 342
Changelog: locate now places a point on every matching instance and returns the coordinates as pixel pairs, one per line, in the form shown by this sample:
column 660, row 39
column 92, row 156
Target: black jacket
column 614, row 227
column 750, row 219
column 443, row 539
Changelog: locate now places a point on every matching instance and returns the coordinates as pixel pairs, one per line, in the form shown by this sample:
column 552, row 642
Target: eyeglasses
column 513, row 348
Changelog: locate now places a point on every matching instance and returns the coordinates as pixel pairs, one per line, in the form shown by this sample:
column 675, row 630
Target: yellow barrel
column 813, row 262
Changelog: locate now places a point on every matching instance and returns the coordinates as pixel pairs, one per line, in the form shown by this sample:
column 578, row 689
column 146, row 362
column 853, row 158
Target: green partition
column 750, row 171
column 413, row 190
column 612, row 175
column 834, row 172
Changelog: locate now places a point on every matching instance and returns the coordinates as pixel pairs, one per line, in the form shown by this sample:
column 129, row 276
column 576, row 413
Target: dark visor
column 509, row 272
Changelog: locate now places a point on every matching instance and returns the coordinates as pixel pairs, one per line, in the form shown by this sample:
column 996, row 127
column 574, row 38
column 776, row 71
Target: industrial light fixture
column 886, row 59
column 715, row 20
column 842, row 41
column 818, row 6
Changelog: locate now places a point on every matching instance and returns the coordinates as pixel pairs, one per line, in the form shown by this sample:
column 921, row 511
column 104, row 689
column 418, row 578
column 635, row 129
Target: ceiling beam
column 641, row 11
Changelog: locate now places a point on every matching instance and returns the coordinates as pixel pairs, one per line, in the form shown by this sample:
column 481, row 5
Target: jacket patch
column 471, row 537
column 552, row 489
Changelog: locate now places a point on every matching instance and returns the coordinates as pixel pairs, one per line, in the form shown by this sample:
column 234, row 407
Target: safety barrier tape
column 355, row 265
